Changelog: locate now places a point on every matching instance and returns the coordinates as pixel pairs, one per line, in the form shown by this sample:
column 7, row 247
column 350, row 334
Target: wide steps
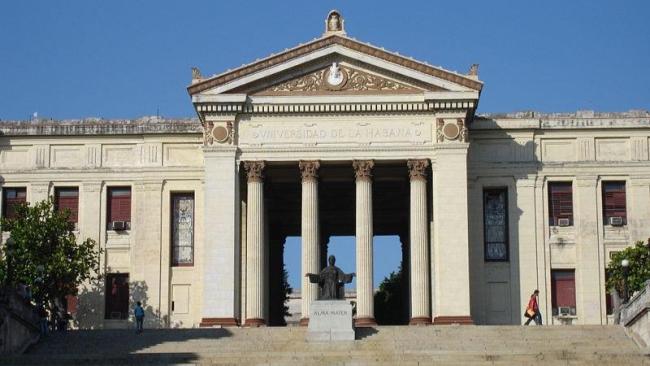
column 437, row 345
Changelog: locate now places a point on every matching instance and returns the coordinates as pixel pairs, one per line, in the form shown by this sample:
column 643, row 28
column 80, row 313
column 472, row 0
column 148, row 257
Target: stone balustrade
column 635, row 317
column 18, row 324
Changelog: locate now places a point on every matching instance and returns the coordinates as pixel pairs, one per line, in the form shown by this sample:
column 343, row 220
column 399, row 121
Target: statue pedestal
column 330, row 320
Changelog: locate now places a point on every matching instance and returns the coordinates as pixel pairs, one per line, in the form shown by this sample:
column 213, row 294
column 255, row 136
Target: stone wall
column 19, row 324
column 635, row 317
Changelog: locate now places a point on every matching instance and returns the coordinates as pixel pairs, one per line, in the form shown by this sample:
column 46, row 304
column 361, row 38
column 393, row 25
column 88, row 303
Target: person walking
column 139, row 317
column 42, row 315
column 532, row 310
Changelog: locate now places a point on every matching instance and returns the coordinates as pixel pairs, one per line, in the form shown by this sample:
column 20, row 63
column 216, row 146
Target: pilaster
column 589, row 264
column 450, row 273
column 222, row 204
column 147, row 273
column 523, row 252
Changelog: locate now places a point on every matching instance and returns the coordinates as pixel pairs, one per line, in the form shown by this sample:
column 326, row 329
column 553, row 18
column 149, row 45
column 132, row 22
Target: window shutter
column 560, row 202
column 614, row 201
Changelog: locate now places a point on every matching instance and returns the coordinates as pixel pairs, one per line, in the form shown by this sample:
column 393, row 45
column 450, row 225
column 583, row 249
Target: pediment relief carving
column 339, row 79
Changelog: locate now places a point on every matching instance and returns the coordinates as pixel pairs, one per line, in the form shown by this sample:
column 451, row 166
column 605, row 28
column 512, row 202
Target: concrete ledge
column 365, row 322
column 448, row 320
column 255, row 322
column 224, row 322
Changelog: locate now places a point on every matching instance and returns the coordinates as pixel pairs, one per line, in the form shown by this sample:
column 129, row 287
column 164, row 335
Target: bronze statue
column 331, row 281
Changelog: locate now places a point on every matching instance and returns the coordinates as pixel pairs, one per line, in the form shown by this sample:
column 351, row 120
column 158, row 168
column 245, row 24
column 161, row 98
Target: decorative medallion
column 220, row 133
column 336, row 77
column 451, row 131
column 363, row 169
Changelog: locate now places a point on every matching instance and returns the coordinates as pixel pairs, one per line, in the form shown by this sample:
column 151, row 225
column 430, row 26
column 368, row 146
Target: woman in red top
column 534, row 306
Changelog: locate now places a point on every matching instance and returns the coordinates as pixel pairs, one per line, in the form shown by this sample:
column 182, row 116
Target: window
column 67, row 199
column 560, row 203
column 495, row 224
column 11, row 197
column 614, row 210
column 119, row 207
column 182, row 229
column 563, row 292
column 117, row 296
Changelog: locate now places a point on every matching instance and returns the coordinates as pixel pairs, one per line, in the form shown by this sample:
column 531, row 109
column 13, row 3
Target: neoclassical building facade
column 338, row 137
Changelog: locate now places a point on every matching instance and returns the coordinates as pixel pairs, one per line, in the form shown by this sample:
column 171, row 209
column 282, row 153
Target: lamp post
column 626, row 268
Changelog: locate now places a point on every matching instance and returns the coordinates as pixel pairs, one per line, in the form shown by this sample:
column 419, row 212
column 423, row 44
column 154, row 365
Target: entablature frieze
column 210, row 111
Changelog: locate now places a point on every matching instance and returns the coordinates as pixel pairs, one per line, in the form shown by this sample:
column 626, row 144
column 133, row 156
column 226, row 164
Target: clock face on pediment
column 339, row 77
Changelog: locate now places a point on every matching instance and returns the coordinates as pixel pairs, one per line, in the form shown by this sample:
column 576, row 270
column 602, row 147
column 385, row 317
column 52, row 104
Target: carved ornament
column 218, row 132
column 363, row 169
column 439, row 124
column 418, row 169
column 309, row 169
column 463, row 136
column 338, row 78
column 254, row 170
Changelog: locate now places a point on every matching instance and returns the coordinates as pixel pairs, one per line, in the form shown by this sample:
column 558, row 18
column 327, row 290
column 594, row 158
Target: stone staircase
column 423, row 345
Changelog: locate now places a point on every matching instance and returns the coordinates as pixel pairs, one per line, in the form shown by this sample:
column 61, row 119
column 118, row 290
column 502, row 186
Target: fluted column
column 419, row 243
column 310, row 234
column 365, row 304
column 255, row 254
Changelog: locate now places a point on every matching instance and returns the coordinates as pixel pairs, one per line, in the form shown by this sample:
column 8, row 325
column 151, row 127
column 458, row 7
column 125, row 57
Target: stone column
column 255, row 253
column 419, row 243
column 365, row 304
column 310, row 234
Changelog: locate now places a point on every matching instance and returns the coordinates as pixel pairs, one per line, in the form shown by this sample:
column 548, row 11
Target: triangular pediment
column 340, row 78
column 304, row 70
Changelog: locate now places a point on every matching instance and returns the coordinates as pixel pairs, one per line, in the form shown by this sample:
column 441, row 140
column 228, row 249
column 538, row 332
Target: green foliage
column 638, row 270
column 390, row 299
column 286, row 291
column 45, row 254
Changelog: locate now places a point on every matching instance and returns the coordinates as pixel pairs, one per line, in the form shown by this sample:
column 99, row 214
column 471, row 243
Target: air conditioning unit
column 563, row 222
column 564, row 311
column 616, row 221
column 118, row 225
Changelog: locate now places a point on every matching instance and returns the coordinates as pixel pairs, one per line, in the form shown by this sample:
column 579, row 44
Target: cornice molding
column 323, row 43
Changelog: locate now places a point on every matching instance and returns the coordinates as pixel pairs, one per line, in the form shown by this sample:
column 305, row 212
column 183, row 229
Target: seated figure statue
column 331, row 281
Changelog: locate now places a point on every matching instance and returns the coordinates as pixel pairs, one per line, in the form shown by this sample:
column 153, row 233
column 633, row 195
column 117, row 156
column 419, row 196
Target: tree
column 390, row 299
column 286, row 291
column 638, row 270
column 44, row 253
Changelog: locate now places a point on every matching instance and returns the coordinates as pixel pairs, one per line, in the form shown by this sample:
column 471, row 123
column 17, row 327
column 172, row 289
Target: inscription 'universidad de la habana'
column 264, row 134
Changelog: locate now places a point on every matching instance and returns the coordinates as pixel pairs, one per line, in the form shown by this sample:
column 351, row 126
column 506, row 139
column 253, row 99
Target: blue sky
column 129, row 58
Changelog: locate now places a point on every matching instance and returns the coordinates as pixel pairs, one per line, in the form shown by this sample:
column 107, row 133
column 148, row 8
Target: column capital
column 363, row 169
column 418, row 169
column 254, row 170
column 309, row 170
